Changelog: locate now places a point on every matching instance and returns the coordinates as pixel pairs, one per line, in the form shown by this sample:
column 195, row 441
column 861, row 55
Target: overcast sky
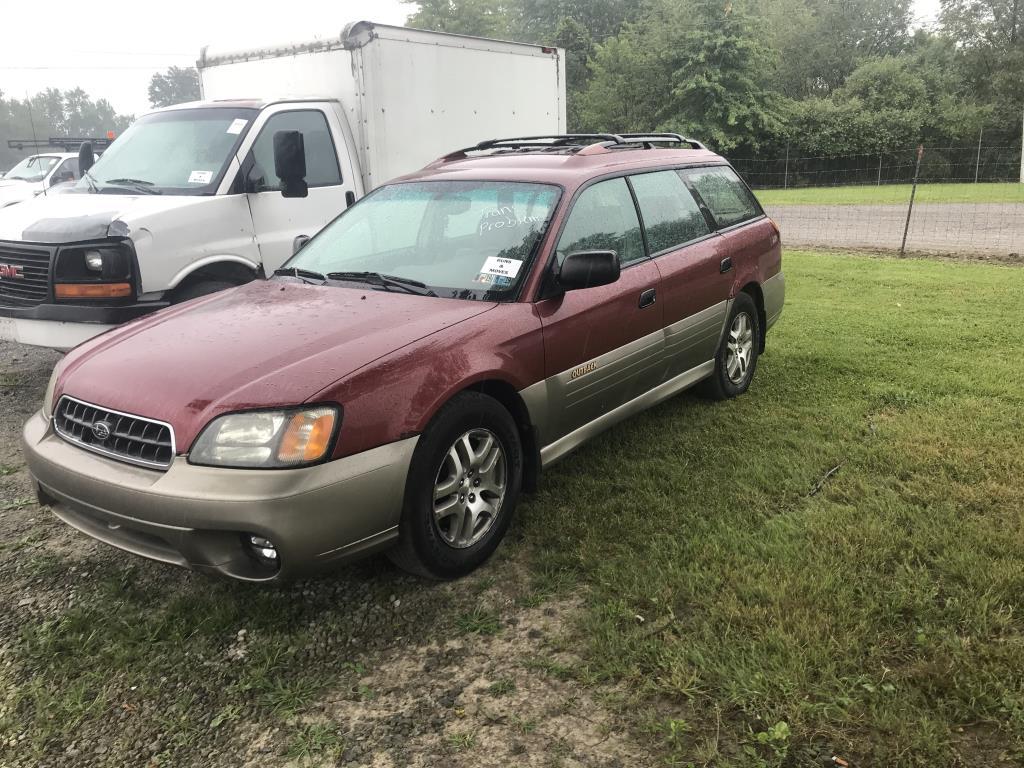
column 124, row 42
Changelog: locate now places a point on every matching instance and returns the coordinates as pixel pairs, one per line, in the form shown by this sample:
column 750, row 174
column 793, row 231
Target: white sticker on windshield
column 502, row 267
column 237, row 126
column 200, row 177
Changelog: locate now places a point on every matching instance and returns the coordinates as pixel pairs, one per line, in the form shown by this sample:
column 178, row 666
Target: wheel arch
column 222, row 267
column 753, row 289
column 506, row 394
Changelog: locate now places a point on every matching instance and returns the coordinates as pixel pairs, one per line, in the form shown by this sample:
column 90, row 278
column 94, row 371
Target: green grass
column 879, row 619
column 894, row 194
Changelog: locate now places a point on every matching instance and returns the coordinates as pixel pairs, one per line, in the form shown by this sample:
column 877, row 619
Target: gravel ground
column 962, row 228
column 110, row 660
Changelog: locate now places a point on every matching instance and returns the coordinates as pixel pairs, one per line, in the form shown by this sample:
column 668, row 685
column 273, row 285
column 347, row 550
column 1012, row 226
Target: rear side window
column 671, row 215
column 722, row 191
column 603, row 219
column 321, row 160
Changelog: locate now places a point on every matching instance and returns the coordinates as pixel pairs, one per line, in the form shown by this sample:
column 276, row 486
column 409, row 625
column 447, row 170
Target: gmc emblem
column 11, row 272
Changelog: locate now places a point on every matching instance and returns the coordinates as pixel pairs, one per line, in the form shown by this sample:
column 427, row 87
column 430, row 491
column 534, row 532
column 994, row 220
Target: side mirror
column 86, row 158
column 588, row 269
column 298, row 243
column 290, row 163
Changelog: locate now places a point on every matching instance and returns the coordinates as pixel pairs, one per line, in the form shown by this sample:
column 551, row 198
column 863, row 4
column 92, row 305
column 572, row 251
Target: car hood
column 73, row 217
column 265, row 344
column 16, row 190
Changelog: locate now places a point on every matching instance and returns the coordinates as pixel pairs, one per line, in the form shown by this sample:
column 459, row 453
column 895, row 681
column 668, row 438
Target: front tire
column 736, row 359
column 463, row 487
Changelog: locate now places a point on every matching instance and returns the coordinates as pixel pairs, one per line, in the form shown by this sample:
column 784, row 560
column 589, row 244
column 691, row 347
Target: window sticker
column 236, row 126
column 483, row 279
column 501, row 267
column 200, row 177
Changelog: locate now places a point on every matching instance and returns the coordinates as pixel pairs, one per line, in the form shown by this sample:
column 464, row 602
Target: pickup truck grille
column 121, row 436
column 31, row 286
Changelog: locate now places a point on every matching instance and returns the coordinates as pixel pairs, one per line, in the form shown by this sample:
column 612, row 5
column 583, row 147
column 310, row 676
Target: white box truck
column 188, row 201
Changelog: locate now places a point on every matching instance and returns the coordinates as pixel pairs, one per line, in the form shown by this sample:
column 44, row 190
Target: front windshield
column 462, row 239
column 180, row 152
column 33, row 168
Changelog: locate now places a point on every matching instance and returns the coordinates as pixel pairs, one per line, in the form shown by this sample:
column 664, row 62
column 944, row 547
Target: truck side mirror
column 588, row 269
column 85, row 157
column 290, row 163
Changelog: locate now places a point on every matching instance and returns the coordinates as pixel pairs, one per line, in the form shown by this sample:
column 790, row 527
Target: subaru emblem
column 101, row 430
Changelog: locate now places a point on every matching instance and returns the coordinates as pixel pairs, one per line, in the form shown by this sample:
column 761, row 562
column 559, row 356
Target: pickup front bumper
column 202, row 517
column 63, row 326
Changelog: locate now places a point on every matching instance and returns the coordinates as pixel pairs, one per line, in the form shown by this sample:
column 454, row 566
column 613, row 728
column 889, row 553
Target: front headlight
column 48, row 397
column 267, row 439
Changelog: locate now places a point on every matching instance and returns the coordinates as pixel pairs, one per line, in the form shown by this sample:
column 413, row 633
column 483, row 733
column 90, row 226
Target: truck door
column 278, row 220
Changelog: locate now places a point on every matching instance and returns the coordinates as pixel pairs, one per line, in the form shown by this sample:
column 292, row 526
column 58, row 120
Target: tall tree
column 483, row 18
column 175, row 86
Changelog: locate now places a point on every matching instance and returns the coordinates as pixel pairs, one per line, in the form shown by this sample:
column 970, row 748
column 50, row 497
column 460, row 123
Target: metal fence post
column 977, row 162
column 879, row 169
column 913, row 193
column 785, row 178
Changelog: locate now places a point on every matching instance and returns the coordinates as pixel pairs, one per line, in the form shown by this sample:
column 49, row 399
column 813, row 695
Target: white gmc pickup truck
column 203, row 196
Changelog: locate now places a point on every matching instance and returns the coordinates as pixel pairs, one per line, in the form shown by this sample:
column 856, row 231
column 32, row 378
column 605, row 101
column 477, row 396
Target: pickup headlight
column 267, row 439
column 94, row 272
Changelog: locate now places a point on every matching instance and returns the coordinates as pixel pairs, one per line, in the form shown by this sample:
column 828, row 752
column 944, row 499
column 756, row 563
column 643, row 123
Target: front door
column 603, row 346
column 278, row 220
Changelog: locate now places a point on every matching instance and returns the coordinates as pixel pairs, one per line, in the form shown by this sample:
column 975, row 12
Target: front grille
column 122, row 436
column 32, row 287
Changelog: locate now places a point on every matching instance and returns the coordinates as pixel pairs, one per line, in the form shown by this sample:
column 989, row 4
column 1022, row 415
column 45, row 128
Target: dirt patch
column 505, row 698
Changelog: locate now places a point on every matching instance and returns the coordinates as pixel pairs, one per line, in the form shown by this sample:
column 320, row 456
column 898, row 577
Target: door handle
column 647, row 298
column 725, row 266
column 350, row 199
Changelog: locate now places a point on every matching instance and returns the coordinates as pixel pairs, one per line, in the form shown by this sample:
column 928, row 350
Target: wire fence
column 967, row 201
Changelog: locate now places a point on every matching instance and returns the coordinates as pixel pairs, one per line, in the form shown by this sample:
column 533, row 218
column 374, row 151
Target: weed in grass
column 894, row 194
column 548, row 667
column 19, row 503
column 502, row 687
column 8, row 469
column 315, row 740
column 479, row 621
column 462, row 741
column 523, row 725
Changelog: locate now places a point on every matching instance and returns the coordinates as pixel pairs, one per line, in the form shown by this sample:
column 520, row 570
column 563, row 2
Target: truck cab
column 190, row 199
column 37, row 174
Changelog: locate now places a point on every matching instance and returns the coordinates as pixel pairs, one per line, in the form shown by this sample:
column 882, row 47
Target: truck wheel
column 463, row 486
column 199, row 288
column 736, row 359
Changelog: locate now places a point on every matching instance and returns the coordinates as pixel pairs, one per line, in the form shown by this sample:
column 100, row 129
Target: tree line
column 72, row 112
column 759, row 76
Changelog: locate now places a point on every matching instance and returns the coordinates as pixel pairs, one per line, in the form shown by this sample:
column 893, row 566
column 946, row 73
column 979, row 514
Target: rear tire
column 736, row 359
column 463, row 487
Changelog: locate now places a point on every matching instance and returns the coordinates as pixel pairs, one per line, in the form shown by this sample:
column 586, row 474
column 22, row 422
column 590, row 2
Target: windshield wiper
column 146, row 187
column 307, row 275
column 385, row 281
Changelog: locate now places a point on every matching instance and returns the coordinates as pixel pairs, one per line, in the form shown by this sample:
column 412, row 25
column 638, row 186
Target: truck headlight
column 95, row 272
column 267, row 439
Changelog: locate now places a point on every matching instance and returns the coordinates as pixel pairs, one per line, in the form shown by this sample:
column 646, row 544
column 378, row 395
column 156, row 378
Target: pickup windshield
column 32, row 168
column 179, row 152
column 455, row 239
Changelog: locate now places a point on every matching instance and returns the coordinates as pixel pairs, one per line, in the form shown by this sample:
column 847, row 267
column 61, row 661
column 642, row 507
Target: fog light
column 263, row 550
column 94, row 261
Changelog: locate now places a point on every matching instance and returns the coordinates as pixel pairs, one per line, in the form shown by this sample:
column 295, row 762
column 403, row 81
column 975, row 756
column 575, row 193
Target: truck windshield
column 32, row 168
column 180, row 152
column 459, row 239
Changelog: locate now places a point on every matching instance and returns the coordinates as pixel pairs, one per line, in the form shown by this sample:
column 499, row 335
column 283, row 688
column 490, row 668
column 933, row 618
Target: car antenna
column 32, row 125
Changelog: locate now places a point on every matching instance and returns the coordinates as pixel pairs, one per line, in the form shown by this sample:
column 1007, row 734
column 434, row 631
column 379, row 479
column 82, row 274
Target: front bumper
column 195, row 517
column 63, row 326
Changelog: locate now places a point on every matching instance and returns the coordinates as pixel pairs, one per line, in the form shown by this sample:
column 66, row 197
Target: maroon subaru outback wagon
column 414, row 366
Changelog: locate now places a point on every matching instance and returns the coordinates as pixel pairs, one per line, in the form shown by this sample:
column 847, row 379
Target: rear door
column 603, row 346
column 689, row 255
column 278, row 220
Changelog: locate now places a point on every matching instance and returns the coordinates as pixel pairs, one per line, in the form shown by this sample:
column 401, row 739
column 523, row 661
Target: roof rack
column 575, row 142
column 66, row 143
